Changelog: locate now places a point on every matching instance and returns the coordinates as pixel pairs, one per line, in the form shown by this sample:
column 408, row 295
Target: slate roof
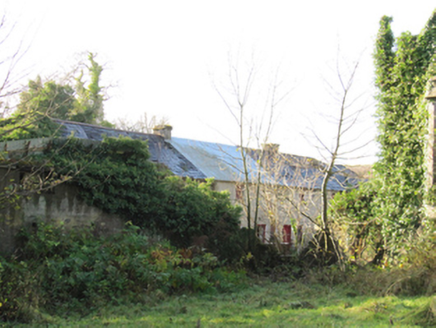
column 304, row 172
column 160, row 151
column 200, row 159
column 218, row 161
column 224, row 163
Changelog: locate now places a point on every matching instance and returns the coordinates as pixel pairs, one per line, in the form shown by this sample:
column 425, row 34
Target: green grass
column 261, row 304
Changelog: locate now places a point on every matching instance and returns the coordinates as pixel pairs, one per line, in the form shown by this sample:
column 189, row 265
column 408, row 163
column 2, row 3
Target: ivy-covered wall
column 62, row 205
column 117, row 177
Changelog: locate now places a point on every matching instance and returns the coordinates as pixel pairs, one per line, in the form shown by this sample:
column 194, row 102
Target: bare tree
column 11, row 75
column 281, row 186
column 144, row 124
column 300, row 188
column 348, row 108
column 245, row 94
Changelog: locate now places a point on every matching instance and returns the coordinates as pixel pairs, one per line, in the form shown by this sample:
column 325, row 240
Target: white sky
column 161, row 55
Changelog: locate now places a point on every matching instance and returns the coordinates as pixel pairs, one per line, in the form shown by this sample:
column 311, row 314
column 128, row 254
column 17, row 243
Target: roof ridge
column 101, row 127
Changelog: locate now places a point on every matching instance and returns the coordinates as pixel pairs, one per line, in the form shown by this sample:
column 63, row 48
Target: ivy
column 403, row 67
column 355, row 221
column 117, row 176
column 27, row 126
column 56, row 99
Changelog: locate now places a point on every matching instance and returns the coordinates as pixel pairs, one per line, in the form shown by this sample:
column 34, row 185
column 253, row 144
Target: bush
column 191, row 209
column 57, row 271
column 117, row 176
column 414, row 275
column 357, row 228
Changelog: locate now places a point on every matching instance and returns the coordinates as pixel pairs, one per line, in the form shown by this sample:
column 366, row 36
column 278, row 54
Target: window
column 239, row 191
column 286, row 234
column 261, row 231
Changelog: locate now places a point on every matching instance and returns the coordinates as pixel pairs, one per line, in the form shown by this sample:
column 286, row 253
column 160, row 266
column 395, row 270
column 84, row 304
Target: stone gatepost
column 431, row 149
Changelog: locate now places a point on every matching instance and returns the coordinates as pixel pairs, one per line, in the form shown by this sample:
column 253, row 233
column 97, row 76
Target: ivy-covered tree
column 403, row 67
column 89, row 106
column 43, row 101
column 38, row 104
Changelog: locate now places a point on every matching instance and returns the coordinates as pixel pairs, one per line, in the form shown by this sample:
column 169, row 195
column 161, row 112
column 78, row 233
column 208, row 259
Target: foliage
column 417, row 274
column 117, row 176
column 32, row 117
column 27, row 126
column 112, row 175
column 403, row 67
column 58, row 270
column 89, row 106
column 194, row 209
column 50, row 98
column 358, row 230
column 55, row 99
column 77, row 270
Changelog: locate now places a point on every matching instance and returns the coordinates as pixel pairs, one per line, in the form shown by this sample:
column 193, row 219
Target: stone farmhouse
column 289, row 193
column 291, row 184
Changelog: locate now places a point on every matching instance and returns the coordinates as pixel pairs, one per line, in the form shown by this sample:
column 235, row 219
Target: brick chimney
column 163, row 131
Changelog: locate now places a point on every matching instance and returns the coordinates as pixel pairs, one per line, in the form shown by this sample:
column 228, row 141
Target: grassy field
column 261, row 304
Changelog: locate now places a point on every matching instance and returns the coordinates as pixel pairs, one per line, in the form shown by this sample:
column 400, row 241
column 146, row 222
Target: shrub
column 190, row 208
column 117, row 176
column 357, row 228
column 57, row 270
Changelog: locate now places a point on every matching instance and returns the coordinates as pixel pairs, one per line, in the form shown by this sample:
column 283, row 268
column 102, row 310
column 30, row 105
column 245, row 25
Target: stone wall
column 61, row 205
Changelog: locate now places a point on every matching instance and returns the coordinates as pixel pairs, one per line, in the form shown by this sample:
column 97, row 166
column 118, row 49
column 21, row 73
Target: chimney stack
column 163, row 131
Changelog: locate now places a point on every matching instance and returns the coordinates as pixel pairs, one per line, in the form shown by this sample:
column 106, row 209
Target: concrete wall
column 61, row 205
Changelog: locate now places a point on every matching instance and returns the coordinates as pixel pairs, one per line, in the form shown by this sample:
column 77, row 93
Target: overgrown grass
column 77, row 279
column 262, row 304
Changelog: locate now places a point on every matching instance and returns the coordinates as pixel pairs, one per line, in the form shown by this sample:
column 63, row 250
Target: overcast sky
column 164, row 56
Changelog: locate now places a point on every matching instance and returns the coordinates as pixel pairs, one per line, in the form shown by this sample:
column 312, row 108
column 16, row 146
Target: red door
column 286, row 234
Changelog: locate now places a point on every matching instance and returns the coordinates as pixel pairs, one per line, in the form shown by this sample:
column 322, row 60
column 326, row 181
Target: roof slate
column 160, row 151
column 218, row 161
column 224, row 163
column 303, row 172
column 200, row 160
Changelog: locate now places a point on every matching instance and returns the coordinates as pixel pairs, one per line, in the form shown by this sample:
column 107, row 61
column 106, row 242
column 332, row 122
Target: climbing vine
column 43, row 100
column 117, row 176
column 403, row 67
